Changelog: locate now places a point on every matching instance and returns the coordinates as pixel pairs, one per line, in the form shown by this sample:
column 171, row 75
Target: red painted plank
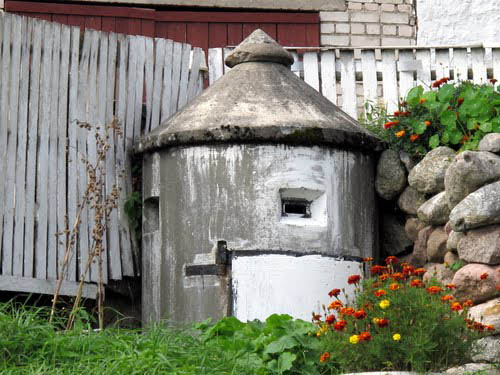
column 42, row 16
column 93, row 23
column 177, row 31
column 248, row 28
column 161, row 29
column 77, row 21
column 312, row 35
column 292, row 35
column 121, row 25
column 197, row 35
column 82, row 10
column 238, row 17
column 148, row 28
column 134, row 26
column 234, row 34
column 217, row 35
column 60, row 18
column 108, row 24
column 269, row 29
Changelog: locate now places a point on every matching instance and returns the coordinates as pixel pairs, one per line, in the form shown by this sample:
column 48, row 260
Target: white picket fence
column 52, row 77
column 348, row 78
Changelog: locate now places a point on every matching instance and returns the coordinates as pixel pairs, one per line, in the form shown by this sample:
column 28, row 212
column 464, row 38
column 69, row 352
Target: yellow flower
column 400, row 133
column 375, row 320
column 354, row 339
column 396, row 337
column 384, row 304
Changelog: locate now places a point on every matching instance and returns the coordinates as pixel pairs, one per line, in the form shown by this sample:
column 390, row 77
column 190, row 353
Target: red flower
column 408, row 270
column 380, row 293
column 395, row 286
column 451, row 286
column 375, row 270
column 383, row 322
column 456, row 306
column 390, row 124
column 353, row 279
column 493, row 81
column 335, row 305
column 391, row 260
column 417, row 283
column 330, row 319
column 334, row 292
column 422, row 101
column 484, row 276
column 360, row 314
column 316, row 317
column 414, row 137
column 498, row 286
column 447, row 297
column 419, row 271
column 340, row 325
column 460, row 101
column 365, row 336
column 397, row 276
column 369, row 259
column 427, row 123
column 434, row 290
column 347, row 311
column 324, row 357
column 384, row 276
column 468, row 303
column 490, row 327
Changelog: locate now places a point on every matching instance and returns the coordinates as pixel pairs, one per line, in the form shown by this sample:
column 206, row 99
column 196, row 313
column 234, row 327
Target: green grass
column 30, row 345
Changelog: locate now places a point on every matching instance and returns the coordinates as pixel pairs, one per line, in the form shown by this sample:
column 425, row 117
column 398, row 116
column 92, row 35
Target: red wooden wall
column 204, row 29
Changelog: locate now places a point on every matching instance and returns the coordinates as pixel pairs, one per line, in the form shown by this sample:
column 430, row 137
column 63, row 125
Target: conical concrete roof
column 260, row 101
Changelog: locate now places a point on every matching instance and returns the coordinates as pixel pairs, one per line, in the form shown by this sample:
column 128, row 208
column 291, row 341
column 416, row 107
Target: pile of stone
column 445, row 217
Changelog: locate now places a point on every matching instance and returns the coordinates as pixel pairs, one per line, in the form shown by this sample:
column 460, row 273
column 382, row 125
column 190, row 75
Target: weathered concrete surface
column 390, row 179
column 232, row 193
column 248, row 4
column 261, row 102
column 428, row 175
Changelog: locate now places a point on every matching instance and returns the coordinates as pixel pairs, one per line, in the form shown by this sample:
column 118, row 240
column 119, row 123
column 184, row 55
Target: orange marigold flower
column 419, row 271
column 330, row 319
column 324, row 357
column 408, row 270
column 366, row 260
column 377, row 269
column 380, row 293
column 400, row 133
column 464, row 139
column 397, row 276
column 417, row 283
column 360, row 314
column 414, row 137
column 484, row 276
column 404, row 114
column 456, row 306
column 353, row 279
column 493, row 81
column 468, row 303
column 490, row 327
column 427, row 123
column 498, row 286
column 383, row 322
column 460, row 101
column 395, row 286
column 451, row 286
column 447, row 297
column 347, row 311
column 391, row 260
column 434, row 289
column 390, row 124
column 397, row 113
column 335, row 305
column 376, row 284
column 384, row 276
column 340, row 325
column 334, row 292
column 365, row 336
column 316, row 317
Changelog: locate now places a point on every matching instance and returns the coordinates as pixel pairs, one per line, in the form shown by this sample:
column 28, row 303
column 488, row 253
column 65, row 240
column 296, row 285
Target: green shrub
column 456, row 115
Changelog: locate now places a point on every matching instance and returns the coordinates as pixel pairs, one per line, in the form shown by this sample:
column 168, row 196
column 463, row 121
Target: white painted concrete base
column 284, row 284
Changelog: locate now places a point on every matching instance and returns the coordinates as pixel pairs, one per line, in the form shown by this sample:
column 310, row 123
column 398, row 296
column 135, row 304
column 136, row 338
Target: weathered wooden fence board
column 349, row 79
column 51, row 80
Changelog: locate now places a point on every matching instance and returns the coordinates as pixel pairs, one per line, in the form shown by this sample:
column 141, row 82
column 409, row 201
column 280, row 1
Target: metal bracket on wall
column 219, row 268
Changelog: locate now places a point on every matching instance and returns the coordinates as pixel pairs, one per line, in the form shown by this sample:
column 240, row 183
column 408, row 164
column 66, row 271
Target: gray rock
column 481, row 245
column 474, row 368
column 453, row 239
column 487, row 313
column 436, row 245
column 490, row 142
column 435, row 211
column 391, row 175
column 410, row 200
column 407, row 160
column 428, row 175
column 487, row 349
column 419, row 255
column 412, row 227
column 393, row 236
column 438, row 271
column 478, row 209
column 450, row 258
column 469, row 172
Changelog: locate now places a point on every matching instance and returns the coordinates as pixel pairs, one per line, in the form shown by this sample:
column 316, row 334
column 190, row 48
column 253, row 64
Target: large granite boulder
column 487, row 313
column 487, row 349
column 474, row 369
column 478, row 209
column 450, row 258
column 469, row 172
column 393, row 238
column 453, row 239
column 481, row 245
column 428, row 175
column 435, row 211
column 471, row 284
column 490, row 142
column 419, row 256
column 439, row 272
column 412, row 226
column 410, row 200
column 390, row 179
column 436, row 245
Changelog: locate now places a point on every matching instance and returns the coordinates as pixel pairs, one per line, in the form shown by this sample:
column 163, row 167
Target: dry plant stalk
column 102, row 205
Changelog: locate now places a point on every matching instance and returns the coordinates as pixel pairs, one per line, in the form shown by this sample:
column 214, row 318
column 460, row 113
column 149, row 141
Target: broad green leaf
column 471, row 123
column 445, row 93
column 285, row 361
column 486, row 127
column 283, row 343
column 455, row 137
column 430, row 96
column 496, row 128
column 414, row 95
column 448, row 119
column 434, row 141
column 419, row 127
column 445, row 138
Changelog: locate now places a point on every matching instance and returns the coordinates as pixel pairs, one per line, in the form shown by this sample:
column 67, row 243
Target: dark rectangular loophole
column 296, row 207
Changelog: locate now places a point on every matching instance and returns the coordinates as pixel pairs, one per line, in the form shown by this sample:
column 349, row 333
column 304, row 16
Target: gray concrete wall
column 224, row 192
